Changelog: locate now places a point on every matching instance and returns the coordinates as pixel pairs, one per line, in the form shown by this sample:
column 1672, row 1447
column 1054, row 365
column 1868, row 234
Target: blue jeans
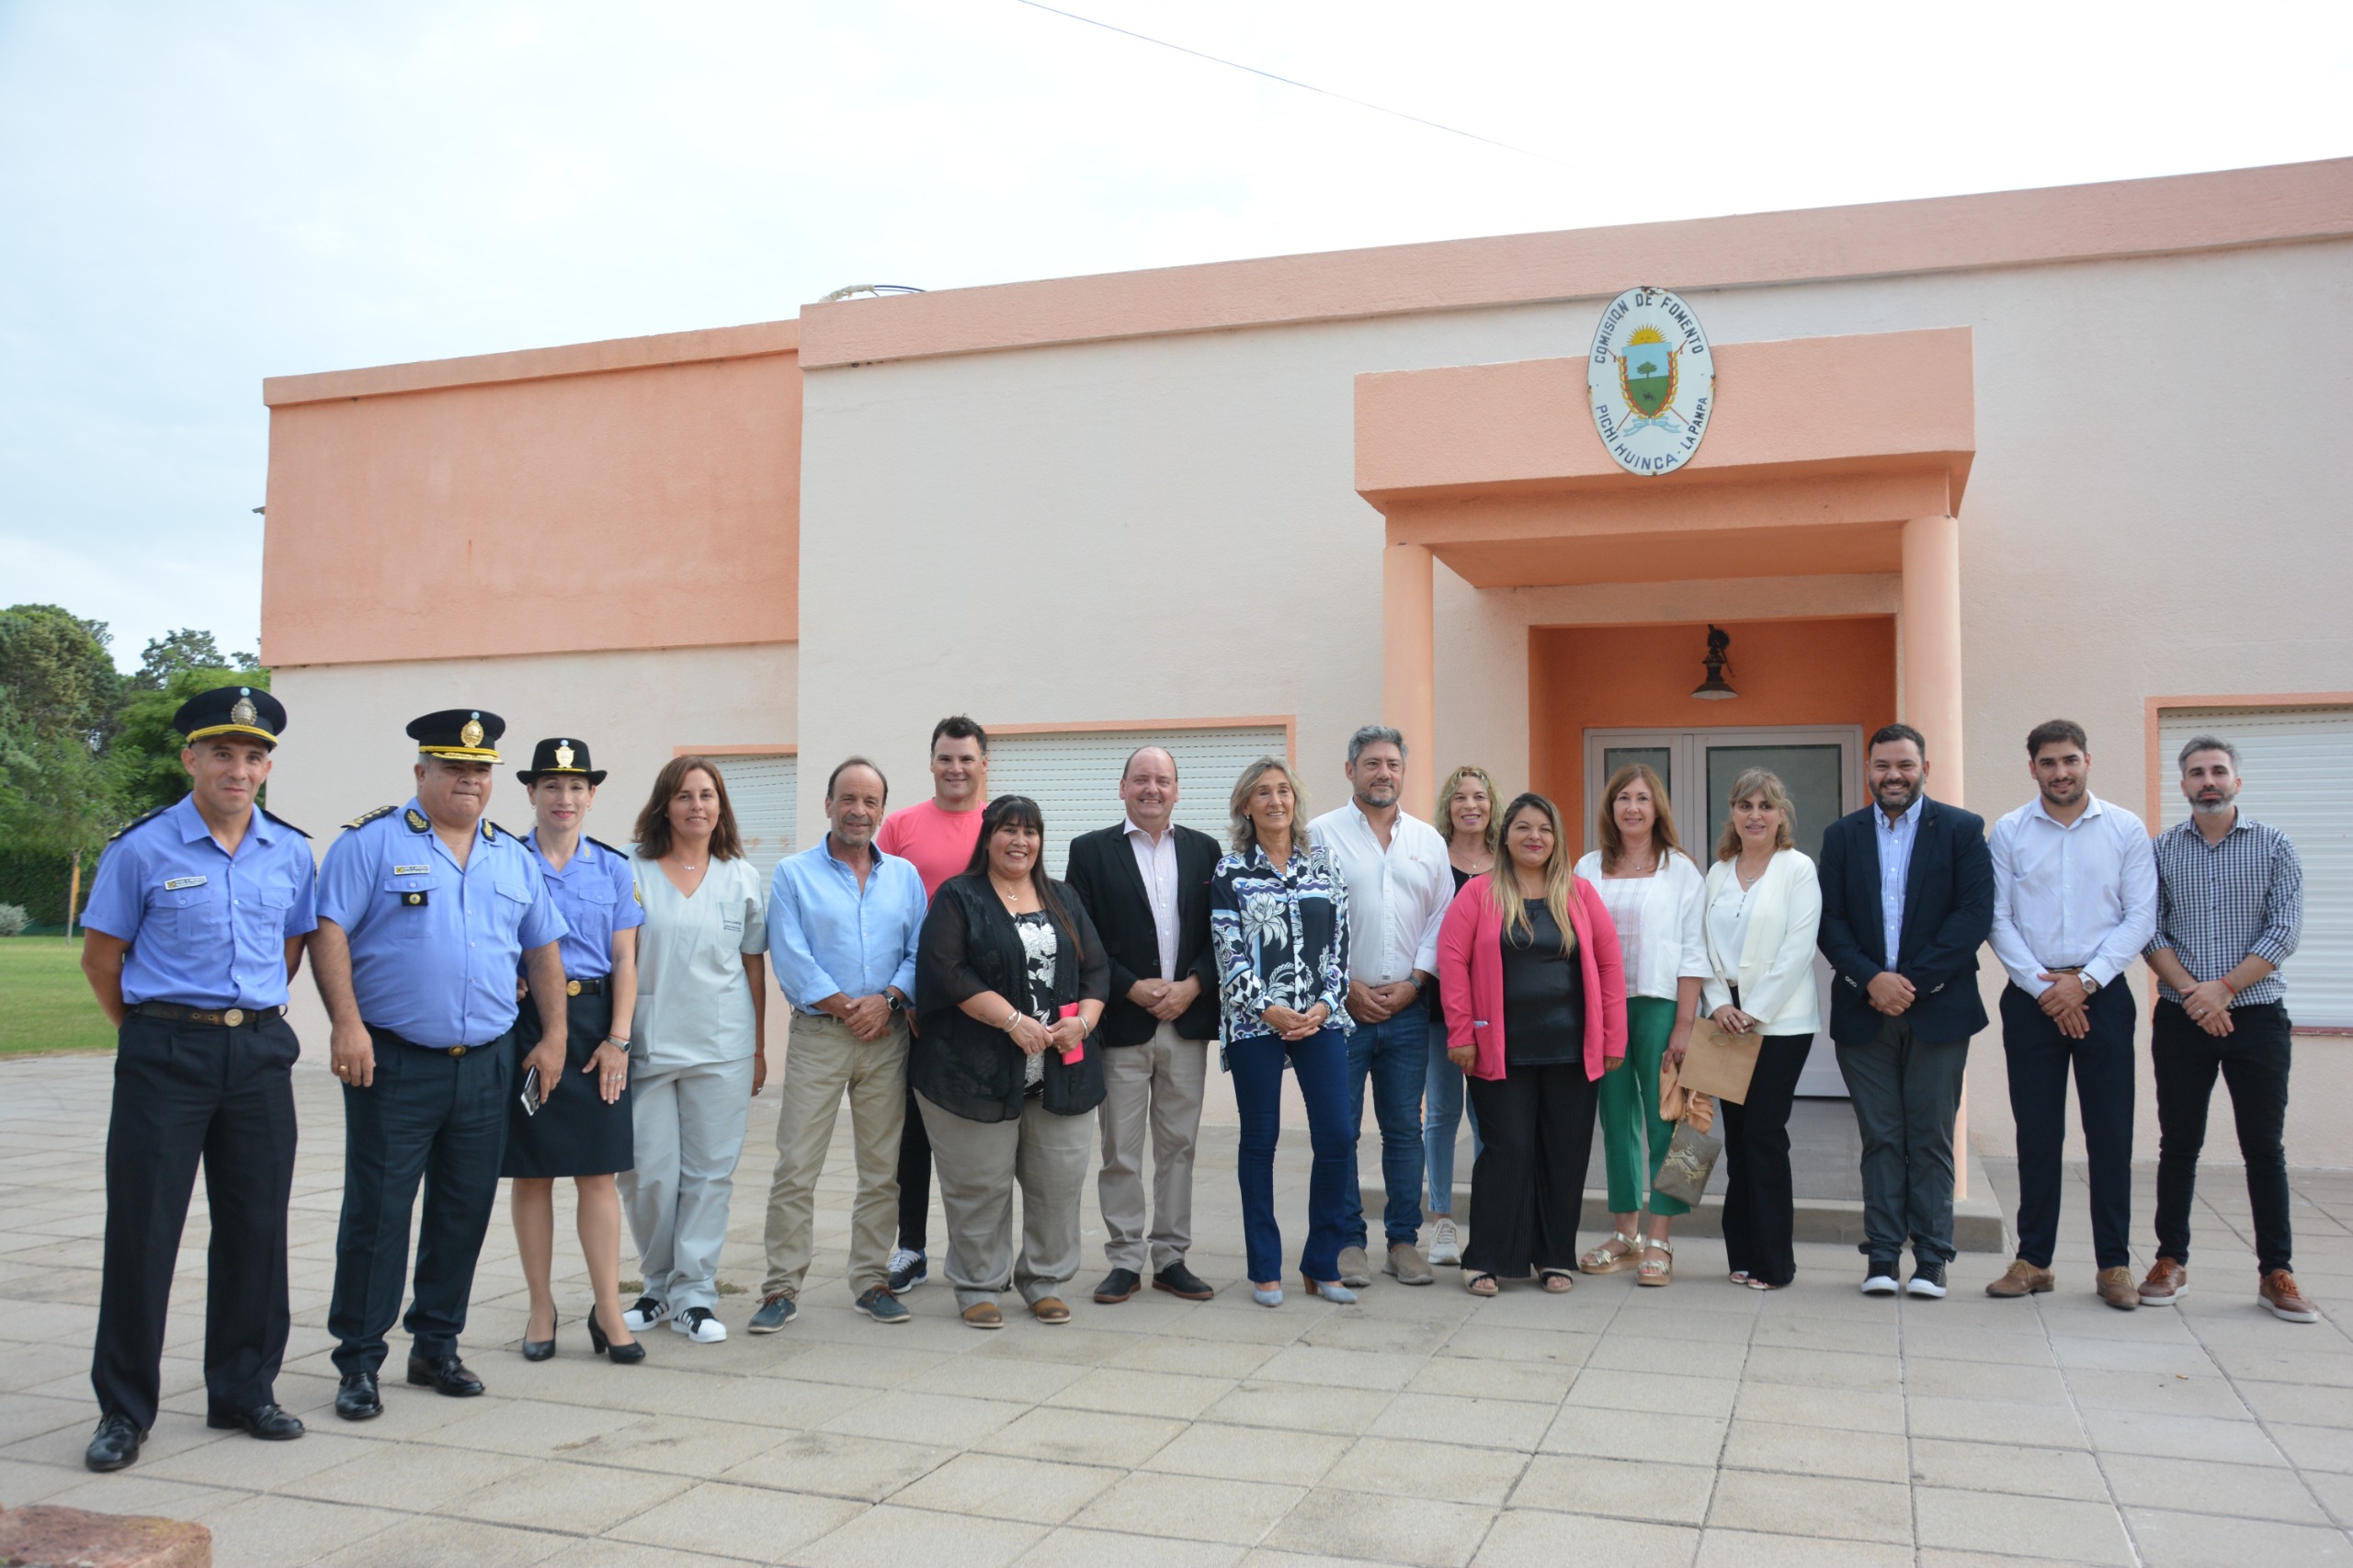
column 1321, row 1061
column 1443, row 1107
column 1394, row 1053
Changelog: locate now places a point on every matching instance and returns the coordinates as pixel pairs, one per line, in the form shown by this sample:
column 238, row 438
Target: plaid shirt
column 2218, row 904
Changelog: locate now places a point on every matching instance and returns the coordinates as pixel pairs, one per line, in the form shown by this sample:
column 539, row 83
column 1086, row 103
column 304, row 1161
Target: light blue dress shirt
column 206, row 929
column 435, row 949
column 830, row 937
column 1895, row 842
column 596, row 894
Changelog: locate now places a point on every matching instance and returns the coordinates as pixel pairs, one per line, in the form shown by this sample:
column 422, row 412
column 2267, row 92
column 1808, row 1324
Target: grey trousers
column 1906, row 1092
column 824, row 1062
column 1157, row 1084
column 979, row 1163
column 689, row 1126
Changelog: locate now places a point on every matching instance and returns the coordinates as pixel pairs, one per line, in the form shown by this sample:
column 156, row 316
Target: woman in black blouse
column 1010, row 981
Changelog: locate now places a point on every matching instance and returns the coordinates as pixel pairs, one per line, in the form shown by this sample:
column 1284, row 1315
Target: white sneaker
column 699, row 1324
column 644, row 1313
column 1446, row 1244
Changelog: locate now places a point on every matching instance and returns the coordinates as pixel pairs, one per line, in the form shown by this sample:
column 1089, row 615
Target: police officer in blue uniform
column 198, row 919
column 427, row 911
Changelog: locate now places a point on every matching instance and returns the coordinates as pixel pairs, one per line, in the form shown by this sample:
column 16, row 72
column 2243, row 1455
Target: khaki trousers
column 979, row 1163
column 1156, row 1084
column 822, row 1061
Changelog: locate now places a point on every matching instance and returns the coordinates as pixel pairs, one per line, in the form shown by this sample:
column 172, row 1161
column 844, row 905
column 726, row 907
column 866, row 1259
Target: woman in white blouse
column 1654, row 892
column 695, row 1046
column 1764, row 908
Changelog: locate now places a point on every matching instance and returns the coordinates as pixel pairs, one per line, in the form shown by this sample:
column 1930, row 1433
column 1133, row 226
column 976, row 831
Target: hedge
column 38, row 880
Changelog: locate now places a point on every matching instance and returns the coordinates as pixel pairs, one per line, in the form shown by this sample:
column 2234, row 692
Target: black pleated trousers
column 185, row 1095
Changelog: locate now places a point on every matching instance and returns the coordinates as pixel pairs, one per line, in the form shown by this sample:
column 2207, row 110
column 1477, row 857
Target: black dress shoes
column 444, row 1374
column 356, row 1398
column 114, row 1445
column 1181, row 1281
column 267, row 1422
column 1118, row 1285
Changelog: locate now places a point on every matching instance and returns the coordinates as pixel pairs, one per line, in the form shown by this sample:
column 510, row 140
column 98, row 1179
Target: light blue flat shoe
column 1331, row 1290
column 1270, row 1296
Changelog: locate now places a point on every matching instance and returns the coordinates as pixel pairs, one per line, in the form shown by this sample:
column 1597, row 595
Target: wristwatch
column 2091, row 986
column 898, row 1004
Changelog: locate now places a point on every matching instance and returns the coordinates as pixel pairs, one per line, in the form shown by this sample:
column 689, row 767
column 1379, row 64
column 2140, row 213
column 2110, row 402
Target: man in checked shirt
column 2230, row 907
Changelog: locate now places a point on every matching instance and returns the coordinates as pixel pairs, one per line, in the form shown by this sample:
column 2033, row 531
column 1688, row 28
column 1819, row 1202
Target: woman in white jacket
column 1764, row 908
column 1655, row 894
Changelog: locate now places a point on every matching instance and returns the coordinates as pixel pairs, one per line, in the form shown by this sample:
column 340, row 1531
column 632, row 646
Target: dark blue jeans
column 1322, row 1061
column 1395, row 1054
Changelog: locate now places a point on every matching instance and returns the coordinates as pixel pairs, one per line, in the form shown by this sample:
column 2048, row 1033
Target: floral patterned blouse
column 1281, row 936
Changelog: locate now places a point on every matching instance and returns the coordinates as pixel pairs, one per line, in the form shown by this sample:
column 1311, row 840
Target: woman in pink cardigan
column 1534, row 987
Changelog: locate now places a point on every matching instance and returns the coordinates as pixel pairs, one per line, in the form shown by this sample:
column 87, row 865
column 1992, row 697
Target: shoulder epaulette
column 282, row 821
column 491, row 830
column 606, row 848
column 371, row 816
column 151, row 816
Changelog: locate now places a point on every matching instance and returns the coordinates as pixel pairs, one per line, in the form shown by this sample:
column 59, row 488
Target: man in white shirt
column 1399, row 886
column 2074, row 902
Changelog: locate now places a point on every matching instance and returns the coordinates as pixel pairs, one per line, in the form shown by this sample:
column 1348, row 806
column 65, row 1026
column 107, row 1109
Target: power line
column 1290, row 81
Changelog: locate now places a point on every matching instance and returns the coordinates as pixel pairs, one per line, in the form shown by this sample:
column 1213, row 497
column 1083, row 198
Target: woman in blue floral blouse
column 1279, row 914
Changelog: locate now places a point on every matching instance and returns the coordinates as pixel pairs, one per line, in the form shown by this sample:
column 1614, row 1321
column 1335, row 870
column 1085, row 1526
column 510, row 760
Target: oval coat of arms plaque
column 1652, row 380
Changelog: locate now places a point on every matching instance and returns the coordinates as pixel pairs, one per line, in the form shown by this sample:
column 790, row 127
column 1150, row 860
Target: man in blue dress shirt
column 198, row 918
column 425, row 913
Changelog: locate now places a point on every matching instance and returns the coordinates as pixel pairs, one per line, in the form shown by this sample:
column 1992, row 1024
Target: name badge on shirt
column 727, row 925
column 178, row 882
column 411, row 871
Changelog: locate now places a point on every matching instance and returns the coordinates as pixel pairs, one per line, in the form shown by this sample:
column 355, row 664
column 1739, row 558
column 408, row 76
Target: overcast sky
column 193, row 196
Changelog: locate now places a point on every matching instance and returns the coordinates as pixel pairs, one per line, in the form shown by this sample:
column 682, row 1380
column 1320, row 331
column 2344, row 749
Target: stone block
column 43, row 1537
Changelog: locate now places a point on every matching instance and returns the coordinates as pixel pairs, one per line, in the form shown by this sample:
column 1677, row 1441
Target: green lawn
column 45, row 1004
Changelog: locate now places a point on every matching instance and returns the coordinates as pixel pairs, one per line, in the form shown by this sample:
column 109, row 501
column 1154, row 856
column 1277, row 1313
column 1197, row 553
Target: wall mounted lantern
column 1714, row 688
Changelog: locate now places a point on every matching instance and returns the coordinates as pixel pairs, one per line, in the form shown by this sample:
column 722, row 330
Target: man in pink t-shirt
column 938, row 835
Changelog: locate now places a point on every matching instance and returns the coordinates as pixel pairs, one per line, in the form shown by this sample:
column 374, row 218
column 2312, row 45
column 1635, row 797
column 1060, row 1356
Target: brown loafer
column 2167, row 1282
column 2022, row 1279
column 984, row 1314
column 1050, row 1309
column 2279, row 1293
column 2116, row 1288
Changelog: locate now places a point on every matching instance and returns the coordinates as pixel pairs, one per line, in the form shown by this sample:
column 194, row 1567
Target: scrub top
column 207, row 928
column 596, row 894
column 694, row 1004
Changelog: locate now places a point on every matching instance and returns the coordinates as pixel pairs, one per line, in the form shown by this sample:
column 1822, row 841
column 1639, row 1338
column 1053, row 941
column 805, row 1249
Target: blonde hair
column 1613, row 840
column 1244, row 833
column 1494, row 835
column 1758, row 781
column 1502, row 883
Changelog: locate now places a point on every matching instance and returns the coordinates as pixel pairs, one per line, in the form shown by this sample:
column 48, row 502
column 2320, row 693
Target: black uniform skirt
column 575, row 1133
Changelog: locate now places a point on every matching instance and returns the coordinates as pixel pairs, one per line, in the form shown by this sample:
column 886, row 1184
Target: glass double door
column 1820, row 766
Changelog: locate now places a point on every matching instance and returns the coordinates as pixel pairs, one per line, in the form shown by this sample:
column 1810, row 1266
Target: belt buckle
column 234, row 1016
column 572, row 988
column 458, row 1050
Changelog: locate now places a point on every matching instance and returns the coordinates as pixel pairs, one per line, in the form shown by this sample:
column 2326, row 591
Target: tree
column 186, row 649
column 58, row 692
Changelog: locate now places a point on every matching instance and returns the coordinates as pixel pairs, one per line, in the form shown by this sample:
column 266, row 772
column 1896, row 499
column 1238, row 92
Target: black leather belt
column 224, row 1017
column 584, row 987
column 451, row 1050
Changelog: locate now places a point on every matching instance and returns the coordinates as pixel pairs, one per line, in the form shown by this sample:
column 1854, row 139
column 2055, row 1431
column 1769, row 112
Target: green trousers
column 1630, row 1111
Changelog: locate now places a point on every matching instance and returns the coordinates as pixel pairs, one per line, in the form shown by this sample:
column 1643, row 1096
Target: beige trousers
column 979, row 1163
column 1155, row 1085
column 822, row 1061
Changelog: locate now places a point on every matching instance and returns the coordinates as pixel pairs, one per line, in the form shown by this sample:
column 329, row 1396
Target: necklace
column 1747, row 882
column 1012, row 901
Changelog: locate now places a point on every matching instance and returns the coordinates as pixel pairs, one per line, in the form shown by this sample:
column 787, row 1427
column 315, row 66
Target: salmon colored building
column 1974, row 462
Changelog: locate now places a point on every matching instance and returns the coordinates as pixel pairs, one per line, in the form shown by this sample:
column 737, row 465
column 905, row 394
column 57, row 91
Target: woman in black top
column 1010, row 981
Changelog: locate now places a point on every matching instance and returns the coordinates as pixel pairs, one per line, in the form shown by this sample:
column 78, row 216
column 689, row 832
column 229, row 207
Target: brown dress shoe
column 2116, row 1288
column 2167, row 1282
column 2279, row 1294
column 984, row 1314
column 1050, row 1309
column 2022, row 1279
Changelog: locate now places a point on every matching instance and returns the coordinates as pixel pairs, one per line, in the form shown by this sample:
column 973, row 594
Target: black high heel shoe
column 541, row 1349
column 620, row 1355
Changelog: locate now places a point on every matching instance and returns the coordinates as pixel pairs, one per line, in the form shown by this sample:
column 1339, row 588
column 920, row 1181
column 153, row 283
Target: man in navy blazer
column 1907, row 899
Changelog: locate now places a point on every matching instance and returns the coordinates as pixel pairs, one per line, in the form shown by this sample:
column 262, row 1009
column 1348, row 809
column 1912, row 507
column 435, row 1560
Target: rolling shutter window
column 2297, row 763
column 761, row 790
column 1074, row 775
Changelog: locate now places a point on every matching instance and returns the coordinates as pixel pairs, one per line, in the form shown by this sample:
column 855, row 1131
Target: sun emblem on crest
column 243, row 713
column 563, row 753
column 1647, row 373
column 471, row 734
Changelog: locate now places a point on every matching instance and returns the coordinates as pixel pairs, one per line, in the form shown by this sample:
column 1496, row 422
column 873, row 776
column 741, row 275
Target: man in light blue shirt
column 843, row 918
column 1897, row 833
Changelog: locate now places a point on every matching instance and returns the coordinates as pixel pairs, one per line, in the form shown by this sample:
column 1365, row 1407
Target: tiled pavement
column 1699, row 1424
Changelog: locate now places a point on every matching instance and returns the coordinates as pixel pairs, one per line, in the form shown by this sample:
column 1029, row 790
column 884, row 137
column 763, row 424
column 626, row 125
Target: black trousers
column 2039, row 1056
column 1528, row 1185
column 430, row 1117
column 185, row 1093
column 2253, row 1059
column 914, row 1178
column 1760, row 1196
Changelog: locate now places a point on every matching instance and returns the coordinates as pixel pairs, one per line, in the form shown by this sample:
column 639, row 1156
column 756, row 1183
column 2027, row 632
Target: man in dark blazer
column 1146, row 883
column 1907, row 899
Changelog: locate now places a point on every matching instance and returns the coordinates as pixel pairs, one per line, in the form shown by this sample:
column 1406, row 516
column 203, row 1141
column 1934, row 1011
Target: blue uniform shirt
column 434, row 949
column 596, row 895
column 207, row 928
column 828, row 934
